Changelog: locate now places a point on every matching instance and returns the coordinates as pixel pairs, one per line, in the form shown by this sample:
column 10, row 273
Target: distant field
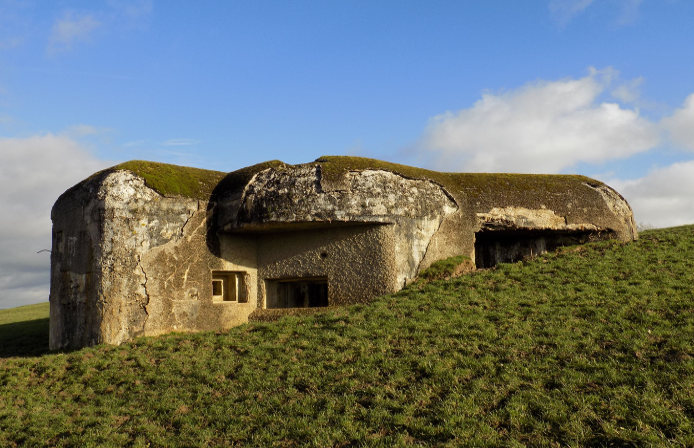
column 24, row 330
column 24, row 313
column 591, row 346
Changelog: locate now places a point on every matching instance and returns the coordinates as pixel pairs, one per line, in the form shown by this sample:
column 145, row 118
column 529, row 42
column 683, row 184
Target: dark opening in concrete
column 298, row 293
column 511, row 245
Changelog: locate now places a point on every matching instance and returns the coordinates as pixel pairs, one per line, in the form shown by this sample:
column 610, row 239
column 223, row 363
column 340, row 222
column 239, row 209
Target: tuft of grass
column 447, row 268
column 589, row 346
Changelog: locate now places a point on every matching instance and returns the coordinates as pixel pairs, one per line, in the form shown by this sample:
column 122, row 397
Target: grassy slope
column 590, row 347
column 24, row 313
column 24, row 330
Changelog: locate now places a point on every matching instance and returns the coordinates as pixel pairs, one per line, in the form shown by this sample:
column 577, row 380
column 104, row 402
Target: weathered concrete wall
column 430, row 222
column 454, row 237
column 294, row 194
column 358, row 261
column 115, row 218
column 538, row 204
column 75, row 318
column 136, row 220
column 180, row 278
column 617, row 209
column 278, row 197
column 594, row 212
column 128, row 262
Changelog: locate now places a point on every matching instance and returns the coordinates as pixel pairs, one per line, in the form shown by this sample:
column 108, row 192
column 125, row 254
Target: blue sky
column 599, row 87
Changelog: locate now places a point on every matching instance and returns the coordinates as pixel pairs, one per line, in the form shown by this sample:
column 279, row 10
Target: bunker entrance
column 298, row 293
column 508, row 246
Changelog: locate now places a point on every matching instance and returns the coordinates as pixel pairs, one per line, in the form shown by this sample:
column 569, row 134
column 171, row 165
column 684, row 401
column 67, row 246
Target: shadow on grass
column 26, row 338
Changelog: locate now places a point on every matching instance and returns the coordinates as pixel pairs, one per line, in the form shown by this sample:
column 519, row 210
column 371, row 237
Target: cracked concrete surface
column 416, row 208
column 128, row 261
column 525, row 218
column 620, row 209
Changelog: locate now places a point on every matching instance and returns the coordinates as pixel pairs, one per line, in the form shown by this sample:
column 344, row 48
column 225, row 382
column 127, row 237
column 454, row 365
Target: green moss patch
column 464, row 186
column 333, row 168
column 238, row 179
column 174, row 180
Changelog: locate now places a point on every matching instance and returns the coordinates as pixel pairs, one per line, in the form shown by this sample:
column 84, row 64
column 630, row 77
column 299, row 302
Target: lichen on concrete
column 291, row 195
column 135, row 246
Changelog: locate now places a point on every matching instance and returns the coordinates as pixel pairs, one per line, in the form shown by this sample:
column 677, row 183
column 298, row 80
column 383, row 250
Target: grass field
column 591, row 346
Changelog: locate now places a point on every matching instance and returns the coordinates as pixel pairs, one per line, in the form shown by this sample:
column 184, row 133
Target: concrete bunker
column 145, row 248
column 306, row 292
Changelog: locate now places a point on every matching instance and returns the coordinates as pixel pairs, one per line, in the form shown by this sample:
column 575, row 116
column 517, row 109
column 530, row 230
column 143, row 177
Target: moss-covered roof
column 238, row 179
column 174, row 180
column 462, row 186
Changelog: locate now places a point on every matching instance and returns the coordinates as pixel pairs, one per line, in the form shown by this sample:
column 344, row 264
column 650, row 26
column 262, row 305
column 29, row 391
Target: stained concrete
column 121, row 243
column 133, row 256
column 290, row 196
column 359, row 262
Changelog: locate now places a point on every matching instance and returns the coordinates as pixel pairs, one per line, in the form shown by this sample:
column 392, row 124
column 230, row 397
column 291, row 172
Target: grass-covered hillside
column 592, row 346
column 24, row 330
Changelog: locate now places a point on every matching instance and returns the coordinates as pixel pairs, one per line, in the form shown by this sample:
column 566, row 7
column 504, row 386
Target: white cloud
column 662, row 198
column 680, row 125
column 71, row 28
column 34, row 171
column 546, row 126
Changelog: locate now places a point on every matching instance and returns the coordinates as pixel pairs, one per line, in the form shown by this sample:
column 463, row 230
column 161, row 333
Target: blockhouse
column 146, row 248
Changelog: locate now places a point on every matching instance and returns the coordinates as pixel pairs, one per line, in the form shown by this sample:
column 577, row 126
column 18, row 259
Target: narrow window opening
column 217, row 288
column 229, row 286
column 510, row 245
column 297, row 293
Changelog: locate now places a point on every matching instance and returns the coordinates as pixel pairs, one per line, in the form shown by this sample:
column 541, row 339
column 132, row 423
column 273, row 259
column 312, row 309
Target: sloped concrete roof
column 576, row 198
